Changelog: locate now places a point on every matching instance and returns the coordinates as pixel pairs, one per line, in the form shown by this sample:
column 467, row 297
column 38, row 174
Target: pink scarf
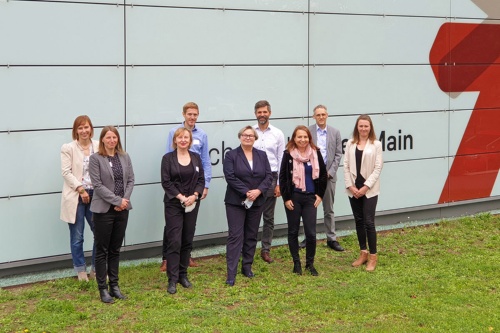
column 299, row 173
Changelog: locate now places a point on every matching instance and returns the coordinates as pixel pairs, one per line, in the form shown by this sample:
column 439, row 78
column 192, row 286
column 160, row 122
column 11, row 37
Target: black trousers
column 243, row 225
column 178, row 233
column 303, row 207
column 109, row 232
column 363, row 210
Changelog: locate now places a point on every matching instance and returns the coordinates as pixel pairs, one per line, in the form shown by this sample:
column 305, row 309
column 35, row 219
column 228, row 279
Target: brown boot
column 372, row 263
column 363, row 257
column 163, row 267
column 192, row 263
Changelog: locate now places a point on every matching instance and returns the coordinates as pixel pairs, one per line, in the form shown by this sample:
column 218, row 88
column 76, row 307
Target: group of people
column 99, row 179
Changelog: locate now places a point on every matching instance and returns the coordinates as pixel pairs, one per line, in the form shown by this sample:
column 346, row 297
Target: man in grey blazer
column 329, row 141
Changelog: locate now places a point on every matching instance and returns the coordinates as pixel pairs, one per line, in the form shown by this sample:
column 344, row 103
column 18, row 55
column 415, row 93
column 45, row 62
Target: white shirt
column 271, row 141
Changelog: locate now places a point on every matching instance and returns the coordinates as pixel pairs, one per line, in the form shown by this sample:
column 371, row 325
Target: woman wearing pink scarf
column 303, row 180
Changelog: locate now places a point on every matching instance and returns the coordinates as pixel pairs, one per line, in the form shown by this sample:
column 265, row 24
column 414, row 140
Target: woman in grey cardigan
column 113, row 179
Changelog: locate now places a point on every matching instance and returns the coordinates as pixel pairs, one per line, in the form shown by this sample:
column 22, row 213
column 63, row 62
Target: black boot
column 312, row 270
column 115, row 292
column 297, row 268
column 172, row 287
column 105, row 296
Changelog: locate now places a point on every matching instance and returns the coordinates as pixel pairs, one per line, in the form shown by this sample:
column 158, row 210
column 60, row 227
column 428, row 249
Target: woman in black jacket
column 183, row 181
column 303, row 181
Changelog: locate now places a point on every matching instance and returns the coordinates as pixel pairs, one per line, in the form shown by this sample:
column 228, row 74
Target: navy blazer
column 103, row 181
column 171, row 180
column 241, row 178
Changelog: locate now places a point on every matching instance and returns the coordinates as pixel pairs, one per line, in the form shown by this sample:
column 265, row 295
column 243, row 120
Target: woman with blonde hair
column 363, row 164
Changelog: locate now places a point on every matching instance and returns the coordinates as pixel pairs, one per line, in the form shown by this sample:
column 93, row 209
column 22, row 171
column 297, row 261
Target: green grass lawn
column 439, row 278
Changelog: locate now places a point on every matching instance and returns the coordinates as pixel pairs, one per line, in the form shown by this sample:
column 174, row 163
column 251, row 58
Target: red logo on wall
column 466, row 57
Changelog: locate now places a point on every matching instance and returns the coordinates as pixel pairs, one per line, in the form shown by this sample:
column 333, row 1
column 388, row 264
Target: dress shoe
column 335, row 246
column 230, row 282
column 172, row 288
column 114, row 291
column 185, row 282
column 193, row 263
column 372, row 262
column 266, row 257
column 163, row 267
column 105, row 296
column 302, row 245
column 248, row 274
column 82, row 276
column 363, row 257
column 297, row 268
column 312, row 270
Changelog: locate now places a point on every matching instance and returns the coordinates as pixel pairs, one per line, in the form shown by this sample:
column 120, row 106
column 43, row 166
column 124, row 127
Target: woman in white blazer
column 362, row 167
column 77, row 190
column 113, row 178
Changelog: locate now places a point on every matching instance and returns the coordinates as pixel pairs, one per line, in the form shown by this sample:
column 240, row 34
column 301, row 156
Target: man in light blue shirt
column 272, row 141
column 329, row 141
column 190, row 112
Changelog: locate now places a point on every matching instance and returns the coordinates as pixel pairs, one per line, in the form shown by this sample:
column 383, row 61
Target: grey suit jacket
column 103, row 181
column 333, row 150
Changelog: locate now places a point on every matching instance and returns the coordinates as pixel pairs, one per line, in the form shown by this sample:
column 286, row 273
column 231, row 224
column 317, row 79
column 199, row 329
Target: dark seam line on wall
column 254, row 65
column 388, row 113
column 125, row 74
column 308, row 61
column 260, row 10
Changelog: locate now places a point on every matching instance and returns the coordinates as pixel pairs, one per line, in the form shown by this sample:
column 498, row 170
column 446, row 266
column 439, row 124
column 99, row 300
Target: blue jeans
column 76, row 236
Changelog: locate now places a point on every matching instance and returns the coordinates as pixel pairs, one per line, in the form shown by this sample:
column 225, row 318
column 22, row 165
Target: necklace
column 83, row 148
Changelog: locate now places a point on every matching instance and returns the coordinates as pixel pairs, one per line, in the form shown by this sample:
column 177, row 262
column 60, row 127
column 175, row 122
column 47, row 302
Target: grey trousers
column 268, row 216
column 329, row 217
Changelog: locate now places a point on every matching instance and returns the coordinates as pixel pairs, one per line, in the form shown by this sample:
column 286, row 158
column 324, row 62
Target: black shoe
column 105, row 296
column 302, row 245
column 297, row 268
column 230, row 282
column 335, row 246
column 248, row 274
column 312, row 270
column 185, row 282
column 114, row 291
column 172, row 288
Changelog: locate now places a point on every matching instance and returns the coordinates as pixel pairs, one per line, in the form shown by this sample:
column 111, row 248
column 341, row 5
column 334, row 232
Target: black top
column 186, row 173
column 360, row 181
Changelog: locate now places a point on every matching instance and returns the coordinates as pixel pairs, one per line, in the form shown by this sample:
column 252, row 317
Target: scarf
column 299, row 173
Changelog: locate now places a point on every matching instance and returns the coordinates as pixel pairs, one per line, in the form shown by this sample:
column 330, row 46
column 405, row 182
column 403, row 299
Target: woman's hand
column 189, row 200
column 289, row 204
column 252, row 195
column 85, row 197
column 317, row 201
column 362, row 191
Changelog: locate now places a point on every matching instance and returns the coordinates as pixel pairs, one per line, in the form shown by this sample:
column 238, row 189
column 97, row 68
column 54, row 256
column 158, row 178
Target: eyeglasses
column 248, row 136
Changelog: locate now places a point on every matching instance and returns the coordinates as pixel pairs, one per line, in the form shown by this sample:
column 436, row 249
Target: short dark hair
column 261, row 104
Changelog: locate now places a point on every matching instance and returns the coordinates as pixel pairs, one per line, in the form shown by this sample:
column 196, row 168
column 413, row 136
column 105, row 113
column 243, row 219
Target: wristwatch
column 82, row 190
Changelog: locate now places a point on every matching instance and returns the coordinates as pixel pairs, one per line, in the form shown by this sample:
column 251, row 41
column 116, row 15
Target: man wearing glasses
column 272, row 141
column 329, row 142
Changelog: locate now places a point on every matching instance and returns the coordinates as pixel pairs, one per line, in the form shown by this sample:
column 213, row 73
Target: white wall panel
column 32, row 161
column 345, row 39
column 44, row 33
column 412, row 183
column 388, row 7
column 281, row 5
column 164, row 36
column 373, row 89
column 31, row 228
column 157, row 94
column 474, row 9
column 48, row 97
